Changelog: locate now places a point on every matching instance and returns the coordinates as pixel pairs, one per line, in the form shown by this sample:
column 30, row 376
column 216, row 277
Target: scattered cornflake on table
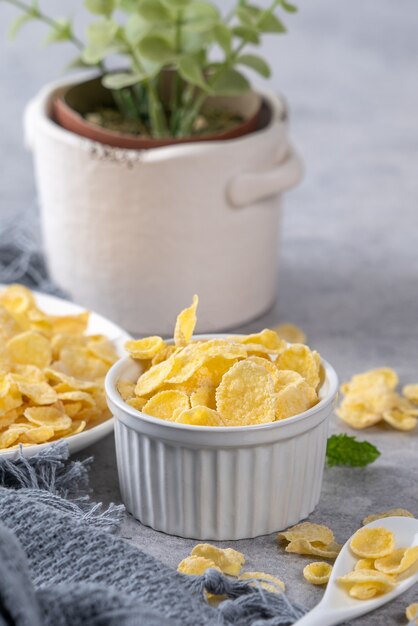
column 51, row 372
column 205, row 556
column 411, row 612
column 311, row 539
column 411, row 392
column 267, row 581
column 228, row 560
column 196, row 565
column 390, row 513
column 317, row 573
column 308, row 531
column 371, row 398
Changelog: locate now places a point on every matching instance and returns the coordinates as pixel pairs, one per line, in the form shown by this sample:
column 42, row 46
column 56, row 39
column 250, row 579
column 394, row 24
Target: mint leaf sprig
column 347, row 451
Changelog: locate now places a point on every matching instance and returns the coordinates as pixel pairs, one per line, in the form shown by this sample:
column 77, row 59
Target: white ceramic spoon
column 336, row 605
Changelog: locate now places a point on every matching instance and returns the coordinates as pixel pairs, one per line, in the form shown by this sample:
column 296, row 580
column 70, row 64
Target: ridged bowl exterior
column 219, row 483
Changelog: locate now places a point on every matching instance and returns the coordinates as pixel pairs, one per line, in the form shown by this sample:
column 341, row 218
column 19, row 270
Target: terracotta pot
column 71, row 105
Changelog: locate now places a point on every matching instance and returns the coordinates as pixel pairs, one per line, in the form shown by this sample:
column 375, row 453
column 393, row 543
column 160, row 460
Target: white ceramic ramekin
column 219, row 483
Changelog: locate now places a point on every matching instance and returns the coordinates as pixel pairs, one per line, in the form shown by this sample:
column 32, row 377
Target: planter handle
column 247, row 188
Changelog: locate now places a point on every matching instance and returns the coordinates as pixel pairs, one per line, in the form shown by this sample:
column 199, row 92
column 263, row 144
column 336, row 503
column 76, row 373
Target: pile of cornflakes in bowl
column 222, row 381
column 51, row 372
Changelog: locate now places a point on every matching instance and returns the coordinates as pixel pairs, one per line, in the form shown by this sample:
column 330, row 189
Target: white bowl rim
column 112, row 377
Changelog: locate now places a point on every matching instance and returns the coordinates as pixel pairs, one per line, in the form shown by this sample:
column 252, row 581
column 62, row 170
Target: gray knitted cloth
column 62, row 565
column 21, row 260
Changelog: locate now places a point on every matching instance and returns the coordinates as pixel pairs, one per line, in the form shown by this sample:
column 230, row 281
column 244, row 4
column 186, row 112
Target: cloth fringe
column 51, row 478
column 248, row 604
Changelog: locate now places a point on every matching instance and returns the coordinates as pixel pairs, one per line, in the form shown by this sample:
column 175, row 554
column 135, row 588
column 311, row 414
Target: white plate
column 98, row 325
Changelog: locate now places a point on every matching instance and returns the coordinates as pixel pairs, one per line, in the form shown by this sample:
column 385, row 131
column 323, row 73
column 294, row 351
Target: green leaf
column 254, row 10
column 63, row 31
column 128, row 6
column 151, row 68
column 191, row 72
column 121, row 80
column 200, row 17
column 290, row 8
column 77, row 63
column 223, row 37
column 256, row 63
column 269, row 23
column 345, row 450
column 135, row 29
column 100, row 7
column 104, row 38
column 193, row 42
column 229, row 83
column 245, row 15
column 249, row 34
column 157, row 48
column 177, row 4
column 103, row 32
column 154, row 11
column 20, row 21
column 94, row 54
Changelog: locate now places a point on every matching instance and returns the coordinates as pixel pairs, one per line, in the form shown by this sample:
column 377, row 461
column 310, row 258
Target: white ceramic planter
column 133, row 234
column 219, row 483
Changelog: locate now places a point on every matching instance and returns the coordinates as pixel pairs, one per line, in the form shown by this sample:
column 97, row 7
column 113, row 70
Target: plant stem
column 190, row 115
column 176, row 84
column 157, row 116
column 43, row 18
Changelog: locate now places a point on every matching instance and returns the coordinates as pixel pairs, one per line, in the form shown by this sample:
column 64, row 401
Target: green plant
column 204, row 50
column 345, row 450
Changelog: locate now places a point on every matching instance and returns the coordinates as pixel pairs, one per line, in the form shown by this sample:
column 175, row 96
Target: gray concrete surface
column 349, row 272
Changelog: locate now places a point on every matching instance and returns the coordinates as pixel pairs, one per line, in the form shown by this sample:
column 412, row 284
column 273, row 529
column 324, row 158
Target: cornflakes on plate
column 51, row 372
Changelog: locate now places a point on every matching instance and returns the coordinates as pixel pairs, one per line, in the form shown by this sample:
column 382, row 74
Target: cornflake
column 311, row 539
column 383, row 514
column 373, row 543
column 266, row 581
column 317, row 573
column 228, row 560
column 411, row 612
